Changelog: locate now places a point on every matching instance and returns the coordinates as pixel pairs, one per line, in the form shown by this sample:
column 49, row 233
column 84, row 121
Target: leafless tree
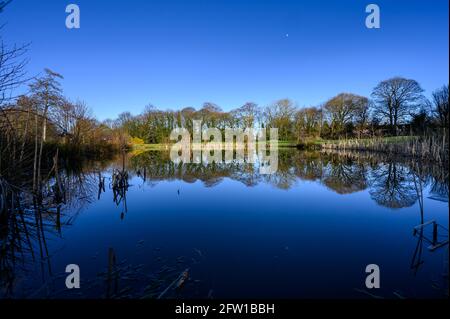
column 343, row 109
column 396, row 99
column 440, row 101
column 47, row 93
column 12, row 75
column 281, row 115
column 308, row 122
column 12, row 70
column 248, row 114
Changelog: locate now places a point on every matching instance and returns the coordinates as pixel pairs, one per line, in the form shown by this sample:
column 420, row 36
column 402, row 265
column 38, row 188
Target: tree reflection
column 392, row 186
column 30, row 221
column 345, row 177
column 439, row 190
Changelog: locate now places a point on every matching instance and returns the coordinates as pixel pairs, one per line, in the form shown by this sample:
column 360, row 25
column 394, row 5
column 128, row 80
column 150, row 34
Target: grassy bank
column 140, row 148
column 313, row 143
column 434, row 147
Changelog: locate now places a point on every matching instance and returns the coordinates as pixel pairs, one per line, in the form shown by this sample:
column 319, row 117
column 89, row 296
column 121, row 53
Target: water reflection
column 391, row 181
column 33, row 220
column 28, row 228
column 393, row 186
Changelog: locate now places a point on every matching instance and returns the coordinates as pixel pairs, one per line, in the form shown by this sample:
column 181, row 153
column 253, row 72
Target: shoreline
column 433, row 148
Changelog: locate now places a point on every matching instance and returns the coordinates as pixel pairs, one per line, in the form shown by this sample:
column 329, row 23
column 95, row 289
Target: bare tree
column 440, row 101
column 247, row 114
column 12, row 75
column 281, row 115
column 308, row 122
column 396, row 99
column 46, row 92
column 362, row 118
column 12, row 70
column 343, row 109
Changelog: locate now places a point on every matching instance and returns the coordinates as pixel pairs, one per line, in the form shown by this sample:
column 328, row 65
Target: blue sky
column 177, row 53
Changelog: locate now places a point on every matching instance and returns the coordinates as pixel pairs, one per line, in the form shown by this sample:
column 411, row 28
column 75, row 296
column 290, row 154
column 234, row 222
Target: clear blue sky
column 177, row 53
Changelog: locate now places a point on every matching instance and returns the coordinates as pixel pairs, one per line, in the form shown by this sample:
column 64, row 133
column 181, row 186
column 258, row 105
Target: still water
column 226, row 231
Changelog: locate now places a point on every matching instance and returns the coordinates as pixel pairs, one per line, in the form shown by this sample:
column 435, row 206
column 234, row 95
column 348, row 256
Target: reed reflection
column 29, row 221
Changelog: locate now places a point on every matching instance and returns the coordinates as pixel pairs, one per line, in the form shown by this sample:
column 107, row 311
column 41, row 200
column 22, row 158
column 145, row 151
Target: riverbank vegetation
column 43, row 135
column 397, row 113
column 41, row 123
column 37, row 125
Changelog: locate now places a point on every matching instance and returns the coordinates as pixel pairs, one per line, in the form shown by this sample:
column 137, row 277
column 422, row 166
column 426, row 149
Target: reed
column 434, row 148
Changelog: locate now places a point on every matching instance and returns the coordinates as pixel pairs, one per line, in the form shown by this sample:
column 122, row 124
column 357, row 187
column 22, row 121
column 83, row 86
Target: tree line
column 35, row 124
column 396, row 106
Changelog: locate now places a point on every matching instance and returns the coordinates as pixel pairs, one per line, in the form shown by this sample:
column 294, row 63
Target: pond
column 226, row 231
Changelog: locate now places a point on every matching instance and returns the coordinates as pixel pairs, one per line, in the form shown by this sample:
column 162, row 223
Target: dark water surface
column 307, row 231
